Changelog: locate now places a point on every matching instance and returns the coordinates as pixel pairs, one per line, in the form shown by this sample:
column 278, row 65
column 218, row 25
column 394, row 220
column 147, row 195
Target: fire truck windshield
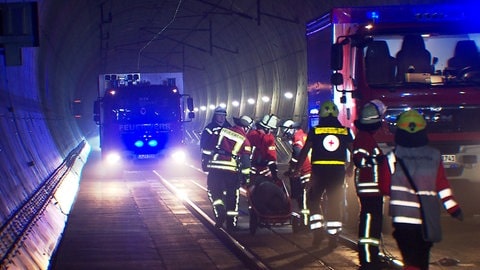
column 139, row 106
column 422, row 59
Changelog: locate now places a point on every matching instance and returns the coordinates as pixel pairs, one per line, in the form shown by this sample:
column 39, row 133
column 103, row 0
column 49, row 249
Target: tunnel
column 52, row 53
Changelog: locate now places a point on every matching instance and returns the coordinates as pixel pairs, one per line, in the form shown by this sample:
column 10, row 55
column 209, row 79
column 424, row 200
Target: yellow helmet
column 328, row 108
column 411, row 121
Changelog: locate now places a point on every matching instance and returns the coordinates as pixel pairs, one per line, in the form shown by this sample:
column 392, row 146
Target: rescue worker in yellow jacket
column 329, row 142
column 228, row 167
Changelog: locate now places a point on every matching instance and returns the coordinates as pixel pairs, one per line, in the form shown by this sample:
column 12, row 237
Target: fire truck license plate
column 145, row 156
column 448, row 158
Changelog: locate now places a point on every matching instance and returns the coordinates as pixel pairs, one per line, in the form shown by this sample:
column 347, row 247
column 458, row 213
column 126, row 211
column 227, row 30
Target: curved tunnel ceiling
column 227, row 50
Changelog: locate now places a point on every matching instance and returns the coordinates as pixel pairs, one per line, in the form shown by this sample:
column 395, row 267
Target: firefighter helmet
column 411, row 121
column 289, row 127
column 328, row 108
column 220, row 110
column 371, row 113
column 243, row 121
column 269, row 121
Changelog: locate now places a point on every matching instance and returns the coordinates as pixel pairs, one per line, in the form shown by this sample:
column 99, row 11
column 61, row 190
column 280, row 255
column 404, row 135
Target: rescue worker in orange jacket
column 229, row 167
column 371, row 166
column 212, row 129
column 329, row 142
column 264, row 150
column 424, row 165
column 298, row 184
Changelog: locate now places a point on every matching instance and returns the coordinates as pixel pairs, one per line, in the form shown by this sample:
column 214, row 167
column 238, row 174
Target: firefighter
column 264, row 150
column 423, row 164
column 298, row 185
column 211, row 130
column 371, row 166
column 329, row 142
column 228, row 167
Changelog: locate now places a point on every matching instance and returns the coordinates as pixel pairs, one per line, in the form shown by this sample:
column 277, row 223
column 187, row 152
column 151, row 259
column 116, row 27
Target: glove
column 246, row 180
column 458, row 214
column 205, row 159
column 273, row 169
column 204, row 165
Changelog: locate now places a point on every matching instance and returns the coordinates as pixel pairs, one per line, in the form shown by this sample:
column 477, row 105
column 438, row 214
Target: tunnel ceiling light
column 251, row 101
column 203, row 108
column 223, row 105
column 235, row 103
column 288, row 95
column 265, row 99
column 211, row 107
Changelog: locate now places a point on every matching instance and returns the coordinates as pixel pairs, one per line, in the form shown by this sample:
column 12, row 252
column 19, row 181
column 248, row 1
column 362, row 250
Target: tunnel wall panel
column 35, row 141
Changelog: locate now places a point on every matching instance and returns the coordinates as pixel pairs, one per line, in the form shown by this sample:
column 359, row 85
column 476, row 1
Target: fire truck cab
column 139, row 120
column 423, row 57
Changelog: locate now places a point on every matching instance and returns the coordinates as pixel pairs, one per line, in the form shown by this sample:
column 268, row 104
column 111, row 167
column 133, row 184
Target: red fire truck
column 423, row 57
column 141, row 115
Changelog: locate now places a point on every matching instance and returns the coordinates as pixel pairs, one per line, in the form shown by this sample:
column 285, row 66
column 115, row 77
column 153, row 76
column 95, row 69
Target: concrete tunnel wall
column 40, row 138
column 34, row 145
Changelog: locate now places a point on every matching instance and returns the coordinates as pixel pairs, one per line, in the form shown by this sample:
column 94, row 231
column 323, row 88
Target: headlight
column 179, row 156
column 113, row 158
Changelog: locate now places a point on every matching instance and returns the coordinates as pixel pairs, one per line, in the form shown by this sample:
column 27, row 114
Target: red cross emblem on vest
column 331, row 143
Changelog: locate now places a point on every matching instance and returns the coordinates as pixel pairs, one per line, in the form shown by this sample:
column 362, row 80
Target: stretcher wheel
column 253, row 222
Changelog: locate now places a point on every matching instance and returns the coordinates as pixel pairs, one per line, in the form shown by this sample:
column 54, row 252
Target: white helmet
column 269, row 121
column 243, row 121
column 289, row 127
column 372, row 112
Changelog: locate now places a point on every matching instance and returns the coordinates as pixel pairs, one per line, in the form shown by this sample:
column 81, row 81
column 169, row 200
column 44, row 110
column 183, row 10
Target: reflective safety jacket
column 426, row 168
column 371, row 164
column 232, row 151
column 264, row 152
column 329, row 141
column 298, row 142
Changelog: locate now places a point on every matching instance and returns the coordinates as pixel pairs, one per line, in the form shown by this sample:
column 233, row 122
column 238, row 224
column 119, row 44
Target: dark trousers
column 415, row 251
column 223, row 193
column 370, row 230
column 328, row 179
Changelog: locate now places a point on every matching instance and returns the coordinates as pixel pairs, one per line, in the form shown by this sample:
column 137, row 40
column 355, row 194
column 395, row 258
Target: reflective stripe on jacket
column 231, row 146
column 370, row 163
column 425, row 167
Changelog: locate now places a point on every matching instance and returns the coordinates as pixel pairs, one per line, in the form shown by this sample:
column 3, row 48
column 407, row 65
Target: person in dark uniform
column 371, row 166
column 228, row 167
column 329, row 142
column 212, row 129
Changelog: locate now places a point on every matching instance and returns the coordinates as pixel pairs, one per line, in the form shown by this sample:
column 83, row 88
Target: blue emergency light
column 153, row 143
